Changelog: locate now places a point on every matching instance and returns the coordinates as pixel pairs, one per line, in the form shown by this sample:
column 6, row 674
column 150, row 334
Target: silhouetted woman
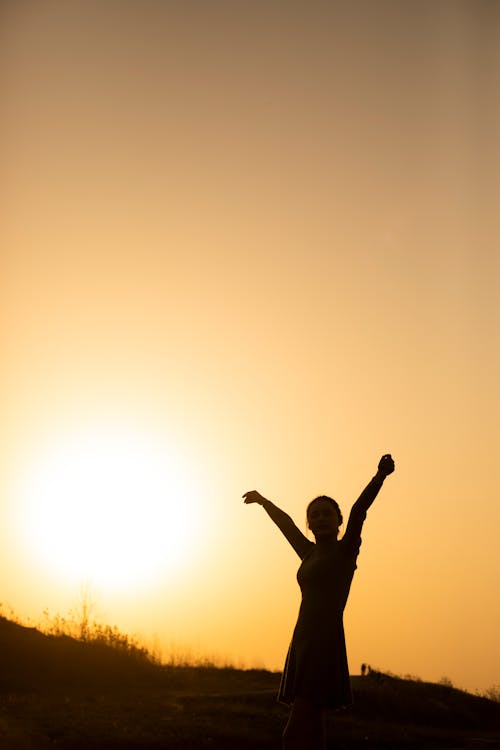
column 316, row 675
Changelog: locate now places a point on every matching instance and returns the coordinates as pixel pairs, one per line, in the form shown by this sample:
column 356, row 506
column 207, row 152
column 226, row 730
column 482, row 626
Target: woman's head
column 324, row 517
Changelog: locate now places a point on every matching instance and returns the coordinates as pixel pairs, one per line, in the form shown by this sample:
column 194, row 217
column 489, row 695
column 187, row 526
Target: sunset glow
column 252, row 246
column 110, row 508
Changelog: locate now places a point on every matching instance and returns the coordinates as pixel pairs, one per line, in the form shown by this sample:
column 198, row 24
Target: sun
column 117, row 508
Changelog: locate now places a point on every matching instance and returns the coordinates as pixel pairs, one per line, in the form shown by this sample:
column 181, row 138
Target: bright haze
column 252, row 245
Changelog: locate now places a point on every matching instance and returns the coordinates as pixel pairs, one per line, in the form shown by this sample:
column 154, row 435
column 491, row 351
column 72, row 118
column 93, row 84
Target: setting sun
column 110, row 507
column 252, row 246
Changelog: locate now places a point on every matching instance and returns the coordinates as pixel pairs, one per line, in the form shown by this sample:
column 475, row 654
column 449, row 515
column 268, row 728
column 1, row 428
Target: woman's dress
column 316, row 666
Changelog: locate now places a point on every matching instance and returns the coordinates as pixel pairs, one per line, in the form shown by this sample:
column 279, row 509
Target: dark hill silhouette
column 384, row 697
column 58, row 691
column 30, row 659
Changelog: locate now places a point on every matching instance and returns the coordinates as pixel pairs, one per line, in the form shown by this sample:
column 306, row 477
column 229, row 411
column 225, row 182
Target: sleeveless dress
column 316, row 665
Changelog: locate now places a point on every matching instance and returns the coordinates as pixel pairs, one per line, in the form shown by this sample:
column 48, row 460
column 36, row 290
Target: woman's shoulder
column 309, row 548
column 349, row 545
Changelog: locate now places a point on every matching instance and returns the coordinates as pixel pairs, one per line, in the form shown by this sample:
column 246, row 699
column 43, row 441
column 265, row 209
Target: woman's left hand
column 386, row 465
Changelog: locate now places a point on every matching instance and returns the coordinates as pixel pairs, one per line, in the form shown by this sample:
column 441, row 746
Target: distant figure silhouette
column 316, row 675
column 363, row 670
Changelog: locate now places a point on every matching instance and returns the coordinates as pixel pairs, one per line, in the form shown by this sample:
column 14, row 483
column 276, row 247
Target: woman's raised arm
column 358, row 510
column 283, row 521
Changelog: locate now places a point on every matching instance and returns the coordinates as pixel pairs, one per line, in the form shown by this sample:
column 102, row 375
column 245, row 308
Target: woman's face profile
column 323, row 519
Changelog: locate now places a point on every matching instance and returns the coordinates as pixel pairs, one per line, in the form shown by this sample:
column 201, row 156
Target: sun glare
column 114, row 508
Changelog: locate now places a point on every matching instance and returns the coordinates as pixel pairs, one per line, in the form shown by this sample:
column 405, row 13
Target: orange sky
column 261, row 236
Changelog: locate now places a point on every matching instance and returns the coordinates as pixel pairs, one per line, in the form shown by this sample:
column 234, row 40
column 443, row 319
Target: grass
column 97, row 689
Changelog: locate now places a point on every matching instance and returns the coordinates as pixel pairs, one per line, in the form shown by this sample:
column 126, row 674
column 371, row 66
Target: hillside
column 59, row 692
column 32, row 660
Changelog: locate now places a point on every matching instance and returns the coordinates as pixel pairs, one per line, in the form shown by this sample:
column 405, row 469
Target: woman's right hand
column 253, row 497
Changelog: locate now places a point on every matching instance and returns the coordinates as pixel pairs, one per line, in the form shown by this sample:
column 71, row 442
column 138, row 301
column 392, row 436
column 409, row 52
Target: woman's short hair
column 326, row 499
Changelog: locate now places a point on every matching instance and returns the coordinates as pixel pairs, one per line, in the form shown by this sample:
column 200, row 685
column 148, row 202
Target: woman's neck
column 326, row 542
